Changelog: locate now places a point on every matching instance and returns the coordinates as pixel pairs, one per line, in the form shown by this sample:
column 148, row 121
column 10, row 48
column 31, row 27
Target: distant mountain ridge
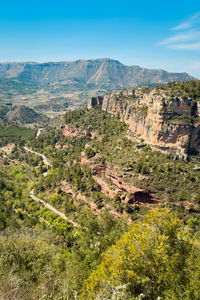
column 58, row 86
column 104, row 73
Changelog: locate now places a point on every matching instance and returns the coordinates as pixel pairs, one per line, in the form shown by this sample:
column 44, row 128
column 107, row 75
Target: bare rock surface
column 156, row 118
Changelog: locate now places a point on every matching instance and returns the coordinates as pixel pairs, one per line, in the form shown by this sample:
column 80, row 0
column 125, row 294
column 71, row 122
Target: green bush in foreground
column 156, row 258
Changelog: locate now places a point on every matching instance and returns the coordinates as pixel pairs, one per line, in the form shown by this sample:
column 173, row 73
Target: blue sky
column 152, row 34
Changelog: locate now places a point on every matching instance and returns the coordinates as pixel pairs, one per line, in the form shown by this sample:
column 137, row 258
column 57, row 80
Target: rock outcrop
column 95, row 101
column 157, row 117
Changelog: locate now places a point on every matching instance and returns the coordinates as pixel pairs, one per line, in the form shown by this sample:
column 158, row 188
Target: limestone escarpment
column 166, row 121
column 95, row 101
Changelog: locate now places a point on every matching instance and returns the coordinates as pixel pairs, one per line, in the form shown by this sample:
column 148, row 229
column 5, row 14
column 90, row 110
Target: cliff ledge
column 166, row 118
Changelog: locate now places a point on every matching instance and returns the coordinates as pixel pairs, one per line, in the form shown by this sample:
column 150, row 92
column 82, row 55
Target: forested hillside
column 21, row 115
column 87, row 212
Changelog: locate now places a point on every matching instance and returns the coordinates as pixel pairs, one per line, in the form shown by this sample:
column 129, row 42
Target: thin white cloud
column 189, row 23
column 187, row 36
column 182, row 26
column 195, row 16
column 191, row 46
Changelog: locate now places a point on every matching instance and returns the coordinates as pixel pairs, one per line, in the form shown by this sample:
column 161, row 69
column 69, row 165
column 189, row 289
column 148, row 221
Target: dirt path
column 50, row 207
column 40, row 154
column 31, row 194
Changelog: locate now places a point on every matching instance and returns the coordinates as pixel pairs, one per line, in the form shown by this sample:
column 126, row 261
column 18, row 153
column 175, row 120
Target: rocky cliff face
column 95, row 101
column 156, row 117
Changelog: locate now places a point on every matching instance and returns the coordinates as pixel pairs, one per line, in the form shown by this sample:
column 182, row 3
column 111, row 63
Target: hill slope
column 102, row 181
column 20, row 115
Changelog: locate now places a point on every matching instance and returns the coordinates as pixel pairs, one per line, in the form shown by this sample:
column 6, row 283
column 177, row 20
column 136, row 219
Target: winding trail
column 50, row 207
column 40, row 154
column 31, row 194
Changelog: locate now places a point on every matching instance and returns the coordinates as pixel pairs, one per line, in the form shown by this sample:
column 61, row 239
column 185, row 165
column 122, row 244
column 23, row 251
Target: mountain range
column 74, row 81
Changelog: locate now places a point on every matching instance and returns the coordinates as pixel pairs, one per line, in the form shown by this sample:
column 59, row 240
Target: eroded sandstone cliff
column 159, row 117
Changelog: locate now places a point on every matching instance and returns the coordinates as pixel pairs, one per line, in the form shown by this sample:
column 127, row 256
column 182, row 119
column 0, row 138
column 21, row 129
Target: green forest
column 88, row 213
